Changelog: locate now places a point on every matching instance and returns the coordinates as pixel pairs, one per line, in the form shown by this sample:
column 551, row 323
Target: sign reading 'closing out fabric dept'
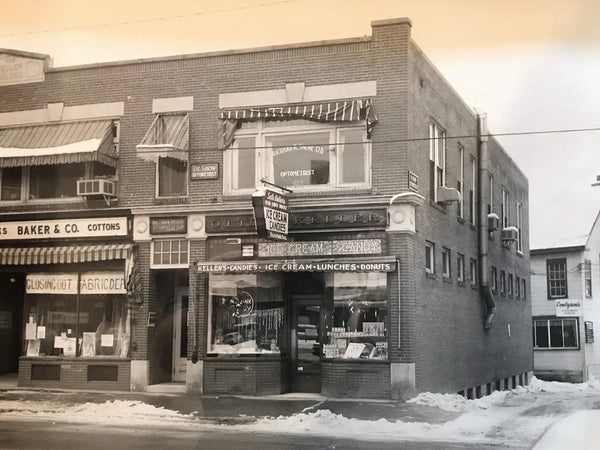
column 112, row 282
column 64, row 228
column 271, row 214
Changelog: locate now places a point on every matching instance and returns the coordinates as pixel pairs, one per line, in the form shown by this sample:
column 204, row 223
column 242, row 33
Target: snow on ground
column 516, row 417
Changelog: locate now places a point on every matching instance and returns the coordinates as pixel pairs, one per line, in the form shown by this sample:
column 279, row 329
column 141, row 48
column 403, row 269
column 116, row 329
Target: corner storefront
column 69, row 284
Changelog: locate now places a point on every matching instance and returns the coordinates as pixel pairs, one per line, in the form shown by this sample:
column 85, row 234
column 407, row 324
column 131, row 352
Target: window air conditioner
column 509, row 235
column 447, row 195
column 493, row 222
column 97, row 187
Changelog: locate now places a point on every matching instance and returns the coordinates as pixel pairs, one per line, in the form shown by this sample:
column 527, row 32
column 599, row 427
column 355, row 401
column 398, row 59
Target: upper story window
column 510, row 285
column 519, row 225
column 494, row 279
column 473, row 272
column 490, row 206
column 502, row 282
column 587, row 265
column 446, row 263
column 429, row 257
column 166, row 143
column 504, row 216
column 304, row 147
column 437, row 157
column 460, row 268
column 45, row 162
column 170, row 253
column 556, row 274
column 473, row 192
column 460, row 181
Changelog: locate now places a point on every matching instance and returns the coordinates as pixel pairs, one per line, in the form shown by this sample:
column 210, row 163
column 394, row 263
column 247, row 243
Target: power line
column 154, row 19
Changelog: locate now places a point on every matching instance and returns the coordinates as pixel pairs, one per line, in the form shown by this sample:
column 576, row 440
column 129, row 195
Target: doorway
column 180, row 334
column 305, row 345
column 12, row 291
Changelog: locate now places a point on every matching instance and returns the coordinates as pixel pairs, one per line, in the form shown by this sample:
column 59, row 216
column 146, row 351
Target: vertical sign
column 271, row 214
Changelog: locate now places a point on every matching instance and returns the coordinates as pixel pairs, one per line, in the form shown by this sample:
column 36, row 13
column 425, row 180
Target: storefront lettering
column 64, row 228
column 110, row 282
column 321, row 248
column 296, row 267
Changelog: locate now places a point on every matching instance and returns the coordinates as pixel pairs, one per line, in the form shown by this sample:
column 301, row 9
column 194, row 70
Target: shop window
column 171, row 253
column 297, row 154
column 460, row 268
column 556, row 278
column 56, row 328
column 172, row 177
column 358, row 327
column 11, row 184
column 246, row 314
column 556, row 333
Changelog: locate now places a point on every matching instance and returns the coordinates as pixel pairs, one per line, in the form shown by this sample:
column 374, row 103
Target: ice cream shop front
column 311, row 314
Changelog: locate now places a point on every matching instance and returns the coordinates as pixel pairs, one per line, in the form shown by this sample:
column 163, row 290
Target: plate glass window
column 556, row 333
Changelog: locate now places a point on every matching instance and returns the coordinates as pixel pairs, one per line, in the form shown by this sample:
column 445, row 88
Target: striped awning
column 335, row 111
column 167, row 137
column 65, row 255
column 58, row 143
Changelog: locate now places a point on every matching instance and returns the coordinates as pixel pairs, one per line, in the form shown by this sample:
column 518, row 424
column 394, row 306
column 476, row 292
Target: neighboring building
column 401, row 210
column 565, row 288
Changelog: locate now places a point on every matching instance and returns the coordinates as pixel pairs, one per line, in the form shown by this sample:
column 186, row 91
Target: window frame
column 504, row 209
column 473, row 192
column 587, row 276
column 494, row 277
column 185, row 179
column 548, row 319
column 473, row 272
column 430, row 251
column 502, row 282
column 446, row 263
column 563, row 263
column 460, row 267
column 437, row 157
column 180, row 265
column 460, row 181
column 263, row 159
column 519, row 225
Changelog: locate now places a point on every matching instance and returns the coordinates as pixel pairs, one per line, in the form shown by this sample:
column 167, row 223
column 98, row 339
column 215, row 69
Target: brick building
column 402, row 211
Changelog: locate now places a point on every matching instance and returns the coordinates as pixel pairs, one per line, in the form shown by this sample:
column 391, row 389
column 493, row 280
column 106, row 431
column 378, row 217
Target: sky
column 561, row 414
column 531, row 65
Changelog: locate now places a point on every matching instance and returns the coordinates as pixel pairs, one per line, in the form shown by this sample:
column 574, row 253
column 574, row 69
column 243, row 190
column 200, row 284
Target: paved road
column 60, row 436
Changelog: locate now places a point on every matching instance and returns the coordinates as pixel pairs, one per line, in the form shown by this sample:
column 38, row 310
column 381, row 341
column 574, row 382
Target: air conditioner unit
column 447, row 195
column 493, row 222
column 97, row 187
column 509, row 235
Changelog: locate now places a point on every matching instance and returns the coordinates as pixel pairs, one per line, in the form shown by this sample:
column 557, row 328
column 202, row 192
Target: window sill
column 461, row 220
column 474, row 287
column 431, row 276
column 461, row 283
column 447, row 280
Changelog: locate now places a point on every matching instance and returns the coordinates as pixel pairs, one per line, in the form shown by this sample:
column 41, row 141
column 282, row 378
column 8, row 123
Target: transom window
column 298, row 154
column 556, row 274
column 555, row 333
column 170, row 253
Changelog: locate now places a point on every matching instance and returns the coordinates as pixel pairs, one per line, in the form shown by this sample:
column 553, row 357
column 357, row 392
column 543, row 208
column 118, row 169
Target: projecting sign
column 271, row 214
column 64, row 228
column 568, row 308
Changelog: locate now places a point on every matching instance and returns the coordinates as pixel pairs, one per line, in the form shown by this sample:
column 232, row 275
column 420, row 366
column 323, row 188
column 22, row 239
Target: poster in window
column 88, row 345
column 354, row 350
column 69, row 347
column 33, row 347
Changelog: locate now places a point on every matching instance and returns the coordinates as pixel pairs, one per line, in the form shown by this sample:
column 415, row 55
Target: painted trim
column 174, row 104
column 311, row 94
column 69, row 113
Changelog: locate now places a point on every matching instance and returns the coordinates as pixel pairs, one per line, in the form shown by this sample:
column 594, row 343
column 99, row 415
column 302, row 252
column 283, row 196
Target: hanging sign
column 271, row 214
column 568, row 308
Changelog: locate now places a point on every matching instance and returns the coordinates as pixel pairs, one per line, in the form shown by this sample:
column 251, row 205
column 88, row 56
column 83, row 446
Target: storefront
column 69, row 288
column 309, row 315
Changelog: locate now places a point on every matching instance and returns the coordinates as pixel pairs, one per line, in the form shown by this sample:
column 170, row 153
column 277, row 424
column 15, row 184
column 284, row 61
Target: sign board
column 568, row 308
column 168, row 225
column 295, row 266
column 413, row 181
column 320, row 248
column 271, row 213
column 64, row 228
column 18, row 70
column 112, row 282
column 208, row 171
column 589, row 332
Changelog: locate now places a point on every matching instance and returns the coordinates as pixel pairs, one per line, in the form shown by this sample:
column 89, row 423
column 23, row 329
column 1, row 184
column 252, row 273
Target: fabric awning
column 167, row 137
column 336, row 111
column 58, row 143
column 65, row 255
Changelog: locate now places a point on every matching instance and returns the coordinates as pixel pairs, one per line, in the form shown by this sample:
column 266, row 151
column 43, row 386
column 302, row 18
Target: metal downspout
column 483, row 194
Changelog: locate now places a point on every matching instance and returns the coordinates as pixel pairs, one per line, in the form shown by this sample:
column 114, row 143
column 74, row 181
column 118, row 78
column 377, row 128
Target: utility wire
column 154, row 19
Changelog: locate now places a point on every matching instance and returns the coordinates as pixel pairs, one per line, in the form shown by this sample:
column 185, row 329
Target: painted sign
column 296, row 266
column 320, row 248
column 589, row 332
column 568, row 308
column 271, row 213
column 18, row 70
column 208, row 171
column 64, row 228
column 112, row 282
column 168, row 225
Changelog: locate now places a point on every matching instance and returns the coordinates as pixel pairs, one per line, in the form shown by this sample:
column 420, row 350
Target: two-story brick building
column 383, row 286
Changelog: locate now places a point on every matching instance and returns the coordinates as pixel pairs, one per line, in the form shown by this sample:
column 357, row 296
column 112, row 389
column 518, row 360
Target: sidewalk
column 237, row 409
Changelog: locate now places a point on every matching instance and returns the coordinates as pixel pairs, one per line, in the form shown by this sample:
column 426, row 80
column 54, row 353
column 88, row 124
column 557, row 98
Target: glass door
column 180, row 334
column 306, row 346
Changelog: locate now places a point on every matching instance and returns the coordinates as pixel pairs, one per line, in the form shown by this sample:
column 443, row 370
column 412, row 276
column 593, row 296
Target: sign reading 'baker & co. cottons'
column 64, row 228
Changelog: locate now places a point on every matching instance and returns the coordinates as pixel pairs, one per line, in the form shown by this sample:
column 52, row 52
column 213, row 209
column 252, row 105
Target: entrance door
column 305, row 345
column 11, row 321
column 180, row 334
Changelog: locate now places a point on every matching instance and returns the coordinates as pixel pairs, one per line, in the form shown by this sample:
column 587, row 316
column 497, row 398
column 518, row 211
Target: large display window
column 246, row 314
column 358, row 326
column 60, row 321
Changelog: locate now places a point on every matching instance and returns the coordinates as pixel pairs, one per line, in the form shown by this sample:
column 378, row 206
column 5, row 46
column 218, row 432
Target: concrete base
column 403, row 381
column 139, row 376
column 193, row 377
